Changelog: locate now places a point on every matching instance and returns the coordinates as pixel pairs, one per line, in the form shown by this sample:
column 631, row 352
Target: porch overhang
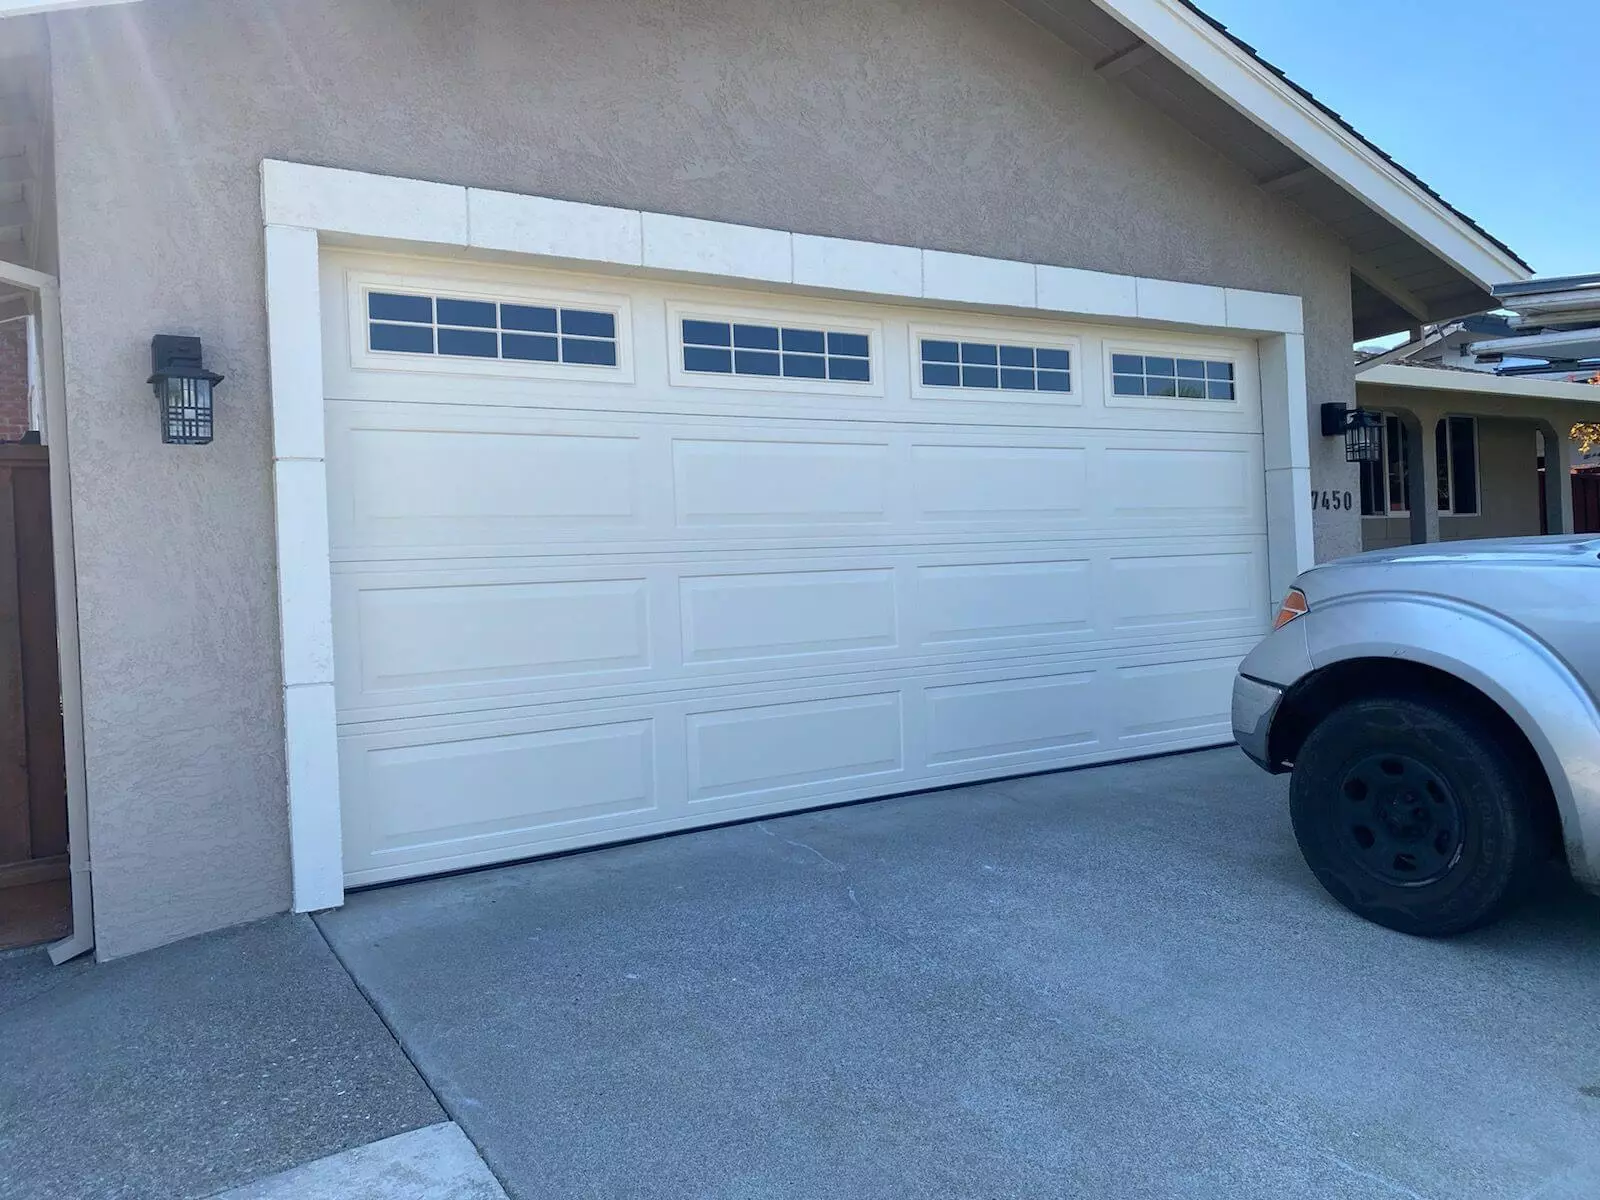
column 1481, row 383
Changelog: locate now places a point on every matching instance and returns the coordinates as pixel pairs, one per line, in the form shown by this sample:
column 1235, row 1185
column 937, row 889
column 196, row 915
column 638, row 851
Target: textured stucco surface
column 954, row 124
column 1508, row 484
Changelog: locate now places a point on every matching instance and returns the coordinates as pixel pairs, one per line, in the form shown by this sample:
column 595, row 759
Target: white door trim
column 53, row 385
column 302, row 204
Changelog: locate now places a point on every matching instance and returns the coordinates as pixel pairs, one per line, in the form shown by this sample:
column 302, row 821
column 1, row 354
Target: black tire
column 1415, row 815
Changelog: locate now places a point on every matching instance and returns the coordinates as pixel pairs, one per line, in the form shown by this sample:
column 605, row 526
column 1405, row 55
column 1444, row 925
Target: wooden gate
column 34, row 891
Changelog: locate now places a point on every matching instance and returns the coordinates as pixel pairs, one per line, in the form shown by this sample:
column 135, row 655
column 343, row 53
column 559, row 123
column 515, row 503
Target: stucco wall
column 1508, row 484
column 954, row 124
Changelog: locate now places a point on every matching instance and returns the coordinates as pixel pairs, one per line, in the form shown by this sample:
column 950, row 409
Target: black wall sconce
column 183, row 387
column 1362, row 429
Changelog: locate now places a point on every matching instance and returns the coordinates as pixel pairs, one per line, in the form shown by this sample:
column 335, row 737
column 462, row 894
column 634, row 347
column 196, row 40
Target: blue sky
column 1493, row 104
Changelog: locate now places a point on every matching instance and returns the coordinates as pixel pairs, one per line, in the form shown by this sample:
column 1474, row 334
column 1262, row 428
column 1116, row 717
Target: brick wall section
column 13, row 380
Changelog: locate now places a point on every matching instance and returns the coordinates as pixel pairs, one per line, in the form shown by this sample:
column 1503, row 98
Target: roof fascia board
column 1423, row 379
column 1527, row 347
column 1206, row 54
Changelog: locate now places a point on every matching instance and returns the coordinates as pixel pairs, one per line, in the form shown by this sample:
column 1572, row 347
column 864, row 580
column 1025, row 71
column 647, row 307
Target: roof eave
column 1215, row 60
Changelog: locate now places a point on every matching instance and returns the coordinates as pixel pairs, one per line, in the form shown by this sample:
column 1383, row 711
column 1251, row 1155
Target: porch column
column 1423, row 468
column 1560, row 456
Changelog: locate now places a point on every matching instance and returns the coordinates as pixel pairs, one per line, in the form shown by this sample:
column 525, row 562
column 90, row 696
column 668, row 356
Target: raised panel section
column 404, row 487
column 1154, row 483
column 793, row 613
column 1172, row 701
column 744, row 751
column 974, row 721
column 444, row 795
column 1173, row 590
column 423, row 638
column 999, row 483
column 985, row 602
column 742, row 483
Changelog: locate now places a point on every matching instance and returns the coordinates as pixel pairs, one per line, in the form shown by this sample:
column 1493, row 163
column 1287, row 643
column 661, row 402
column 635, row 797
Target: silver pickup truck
column 1437, row 707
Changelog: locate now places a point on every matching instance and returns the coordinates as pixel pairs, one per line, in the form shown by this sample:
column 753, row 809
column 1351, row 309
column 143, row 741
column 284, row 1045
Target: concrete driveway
column 1117, row 982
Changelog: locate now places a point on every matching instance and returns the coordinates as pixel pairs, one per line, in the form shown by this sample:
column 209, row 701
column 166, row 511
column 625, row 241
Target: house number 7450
column 1339, row 500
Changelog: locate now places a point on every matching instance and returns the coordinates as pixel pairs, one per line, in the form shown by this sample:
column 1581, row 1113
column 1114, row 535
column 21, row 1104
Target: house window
column 775, row 351
column 451, row 327
column 1386, row 484
column 992, row 366
column 1455, row 444
column 1159, row 376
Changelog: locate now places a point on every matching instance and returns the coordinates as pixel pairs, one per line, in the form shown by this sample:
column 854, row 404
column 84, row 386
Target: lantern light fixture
column 183, row 386
column 1362, row 429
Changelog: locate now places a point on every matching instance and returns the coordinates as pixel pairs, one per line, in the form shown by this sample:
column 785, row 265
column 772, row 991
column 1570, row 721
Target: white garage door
column 615, row 557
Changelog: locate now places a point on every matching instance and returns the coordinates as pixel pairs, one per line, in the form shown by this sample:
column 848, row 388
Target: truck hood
column 1562, row 548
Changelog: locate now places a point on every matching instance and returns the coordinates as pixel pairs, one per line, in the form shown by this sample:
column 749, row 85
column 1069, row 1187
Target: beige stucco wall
column 954, row 124
column 1508, row 484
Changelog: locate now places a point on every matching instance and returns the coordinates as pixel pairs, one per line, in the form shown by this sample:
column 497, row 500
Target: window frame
column 358, row 284
column 1153, row 349
column 999, row 335
column 678, row 311
column 1445, row 467
column 1382, row 472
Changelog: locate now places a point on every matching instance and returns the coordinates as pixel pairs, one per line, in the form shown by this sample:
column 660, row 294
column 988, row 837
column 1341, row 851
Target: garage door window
column 775, row 351
column 994, row 366
column 457, row 327
column 1161, row 376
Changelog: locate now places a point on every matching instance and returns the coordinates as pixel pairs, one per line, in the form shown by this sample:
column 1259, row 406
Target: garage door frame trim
column 303, row 206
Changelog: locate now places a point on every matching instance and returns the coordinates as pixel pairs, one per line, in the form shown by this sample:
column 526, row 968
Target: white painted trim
column 332, row 201
column 1480, row 382
column 28, row 8
column 305, row 589
column 300, row 202
column 53, row 382
column 1196, row 46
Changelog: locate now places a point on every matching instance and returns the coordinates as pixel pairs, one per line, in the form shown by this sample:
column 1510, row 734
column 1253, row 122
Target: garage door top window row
column 1164, row 377
column 775, row 352
column 991, row 366
column 410, row 324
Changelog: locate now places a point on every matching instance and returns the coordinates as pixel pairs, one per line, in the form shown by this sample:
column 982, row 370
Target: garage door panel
column 1181, row 700
column 1012, row 719
column 782, row 615
column 561, row 484
column 506, row 783
column 499, row 788
column 428, row 635
column 598, row 597
column 1205, row 484
column 735, row 755
column 482, row 487
column 805, row 484
column 413, row 640
column 1025, row 484
column 981, row 604
column 1184, row 591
